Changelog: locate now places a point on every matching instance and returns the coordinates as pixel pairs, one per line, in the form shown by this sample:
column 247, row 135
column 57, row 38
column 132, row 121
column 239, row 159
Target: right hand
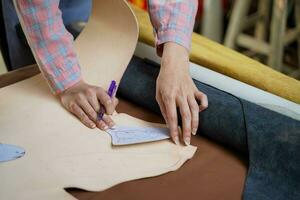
column 84, row 101
column 176, row 89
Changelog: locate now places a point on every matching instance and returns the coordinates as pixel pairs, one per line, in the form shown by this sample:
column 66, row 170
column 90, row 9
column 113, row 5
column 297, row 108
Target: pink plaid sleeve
column 173, row 21
column 50, row 42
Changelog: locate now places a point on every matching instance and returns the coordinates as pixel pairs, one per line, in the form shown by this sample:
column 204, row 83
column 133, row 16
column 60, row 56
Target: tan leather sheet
column 213, row 173
column 60, row 151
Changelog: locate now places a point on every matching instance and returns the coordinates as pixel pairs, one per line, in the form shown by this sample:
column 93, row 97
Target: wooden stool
column 279, row 36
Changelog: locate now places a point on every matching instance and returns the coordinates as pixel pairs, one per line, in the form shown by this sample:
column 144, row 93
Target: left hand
column 175, row 88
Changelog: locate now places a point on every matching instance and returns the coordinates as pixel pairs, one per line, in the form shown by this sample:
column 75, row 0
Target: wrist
column 75, row 85
column 174, row 55
column 170, row 48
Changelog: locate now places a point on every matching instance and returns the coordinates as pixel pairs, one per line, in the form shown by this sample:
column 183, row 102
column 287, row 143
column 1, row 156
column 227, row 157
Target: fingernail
column 187, row 141
column 105, row 127
column 111, row 124
column 93, row 125
column 194, row 131
column 176, row 140
column 113, row 127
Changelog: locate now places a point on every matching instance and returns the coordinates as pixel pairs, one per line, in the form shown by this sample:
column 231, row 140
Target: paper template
column 124, row 135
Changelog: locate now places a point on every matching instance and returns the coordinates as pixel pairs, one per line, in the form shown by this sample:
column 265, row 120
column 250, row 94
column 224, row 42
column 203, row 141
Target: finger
column 92, row 99
column 195, row 113
column 102, row 125
column 115, row 102
column 108, row 121
column 77, row 111
column 88, row 109
column 203, row 100
column 171, row 115
column 105, row 100
column 186, row 119
column 162, row 107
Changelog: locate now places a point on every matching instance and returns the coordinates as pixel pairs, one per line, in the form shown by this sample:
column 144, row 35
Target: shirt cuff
column 63, row 79
column 172, row 35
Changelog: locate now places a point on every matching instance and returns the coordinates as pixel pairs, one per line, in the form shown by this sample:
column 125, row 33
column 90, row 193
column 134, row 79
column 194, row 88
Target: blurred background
column 265, row 30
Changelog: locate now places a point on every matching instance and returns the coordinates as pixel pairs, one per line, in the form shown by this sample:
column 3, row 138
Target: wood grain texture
column 228, row 62
column 18, row 75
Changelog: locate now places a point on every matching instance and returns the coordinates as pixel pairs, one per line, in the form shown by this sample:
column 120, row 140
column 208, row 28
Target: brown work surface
column 213, row 173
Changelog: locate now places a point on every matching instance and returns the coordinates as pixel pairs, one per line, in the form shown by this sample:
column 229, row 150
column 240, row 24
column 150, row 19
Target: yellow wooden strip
column 228, row 62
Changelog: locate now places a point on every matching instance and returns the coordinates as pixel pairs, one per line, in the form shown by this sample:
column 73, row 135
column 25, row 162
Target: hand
column 83, row 101
column 175, row 88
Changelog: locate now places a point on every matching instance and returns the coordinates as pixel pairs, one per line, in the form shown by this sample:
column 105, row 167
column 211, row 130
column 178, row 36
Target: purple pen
column 111, row 92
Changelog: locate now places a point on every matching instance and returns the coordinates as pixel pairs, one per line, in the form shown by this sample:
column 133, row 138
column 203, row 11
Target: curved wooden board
column 60, row 151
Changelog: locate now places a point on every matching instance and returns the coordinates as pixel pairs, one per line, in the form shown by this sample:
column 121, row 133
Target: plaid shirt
column 52, row 44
